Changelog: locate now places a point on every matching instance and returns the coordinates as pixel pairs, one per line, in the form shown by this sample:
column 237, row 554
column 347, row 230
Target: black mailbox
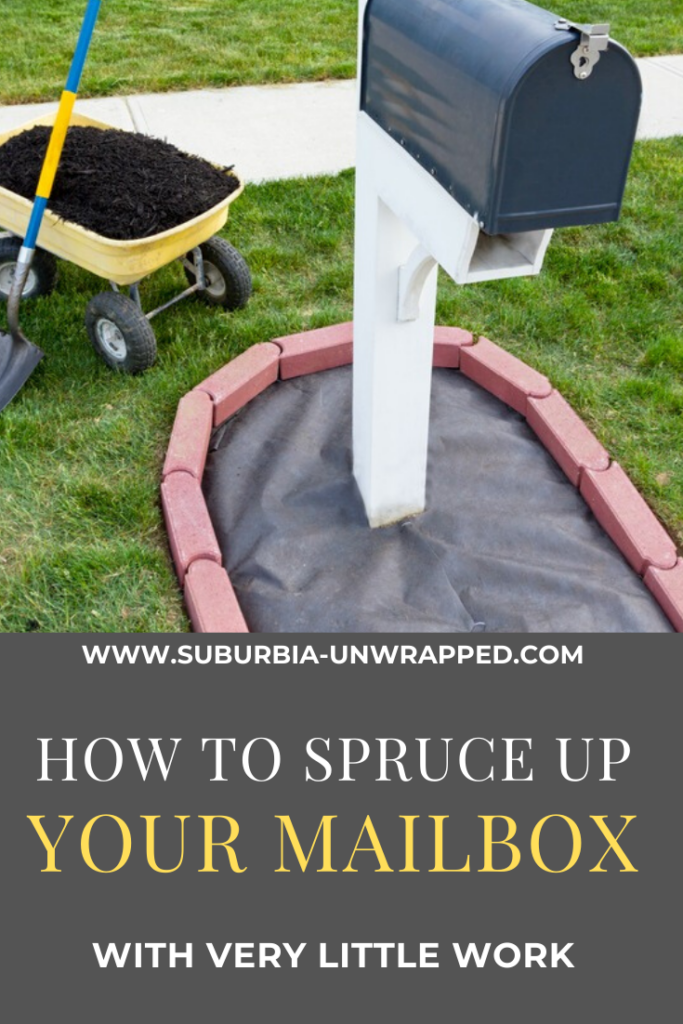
column 527, row 120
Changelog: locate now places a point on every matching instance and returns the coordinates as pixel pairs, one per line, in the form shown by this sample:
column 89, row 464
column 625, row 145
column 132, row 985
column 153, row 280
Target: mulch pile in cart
column 119, row 184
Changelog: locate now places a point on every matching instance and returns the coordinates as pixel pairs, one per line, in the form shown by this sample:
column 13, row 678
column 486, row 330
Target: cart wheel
column 41, row 277
column 228, row 281
column 120, row 332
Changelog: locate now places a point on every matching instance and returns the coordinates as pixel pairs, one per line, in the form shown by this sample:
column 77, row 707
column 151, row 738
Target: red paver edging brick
column 189, row 442
column 322, row 349
column 448, row 343
column 625, row 516
column 615, row 502
column 242, row 379
column 573, row 446
column 666, row 586
column 189, row 527
column 505, row 376
column 326, row 348
column 210, row 599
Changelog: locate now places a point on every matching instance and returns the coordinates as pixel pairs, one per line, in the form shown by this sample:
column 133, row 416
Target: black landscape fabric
column 506, row 544
column 121, row 185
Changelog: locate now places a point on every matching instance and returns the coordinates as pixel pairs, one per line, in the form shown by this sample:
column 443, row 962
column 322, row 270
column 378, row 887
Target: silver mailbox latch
column 594, row 41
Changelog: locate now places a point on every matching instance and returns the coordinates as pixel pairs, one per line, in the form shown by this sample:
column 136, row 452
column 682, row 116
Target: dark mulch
column 119, row 184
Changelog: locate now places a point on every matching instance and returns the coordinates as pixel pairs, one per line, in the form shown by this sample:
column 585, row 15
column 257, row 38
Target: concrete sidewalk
column 287, row 131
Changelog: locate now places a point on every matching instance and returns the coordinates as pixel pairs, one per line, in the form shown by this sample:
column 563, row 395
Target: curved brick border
column 613, row 499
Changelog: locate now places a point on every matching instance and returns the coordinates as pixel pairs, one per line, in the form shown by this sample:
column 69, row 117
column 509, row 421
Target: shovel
column 19, row 356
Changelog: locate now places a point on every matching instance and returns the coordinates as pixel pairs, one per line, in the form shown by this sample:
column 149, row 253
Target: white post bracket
column 412, row 277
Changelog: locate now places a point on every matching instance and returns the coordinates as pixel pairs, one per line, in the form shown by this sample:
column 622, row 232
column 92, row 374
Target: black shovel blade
column 18, row 359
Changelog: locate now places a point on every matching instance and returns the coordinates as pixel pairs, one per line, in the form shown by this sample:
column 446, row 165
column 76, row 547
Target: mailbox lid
column 482, row 93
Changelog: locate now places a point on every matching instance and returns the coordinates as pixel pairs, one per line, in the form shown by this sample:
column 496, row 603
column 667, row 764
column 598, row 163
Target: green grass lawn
column 140, row 46
column 82, row 545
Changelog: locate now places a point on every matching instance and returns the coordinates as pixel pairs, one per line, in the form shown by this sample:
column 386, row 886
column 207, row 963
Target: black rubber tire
column 227, row 275
column 120, row 332
column 42, row 275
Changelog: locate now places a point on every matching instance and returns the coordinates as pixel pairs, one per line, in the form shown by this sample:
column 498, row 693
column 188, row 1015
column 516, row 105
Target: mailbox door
column 566, row 143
